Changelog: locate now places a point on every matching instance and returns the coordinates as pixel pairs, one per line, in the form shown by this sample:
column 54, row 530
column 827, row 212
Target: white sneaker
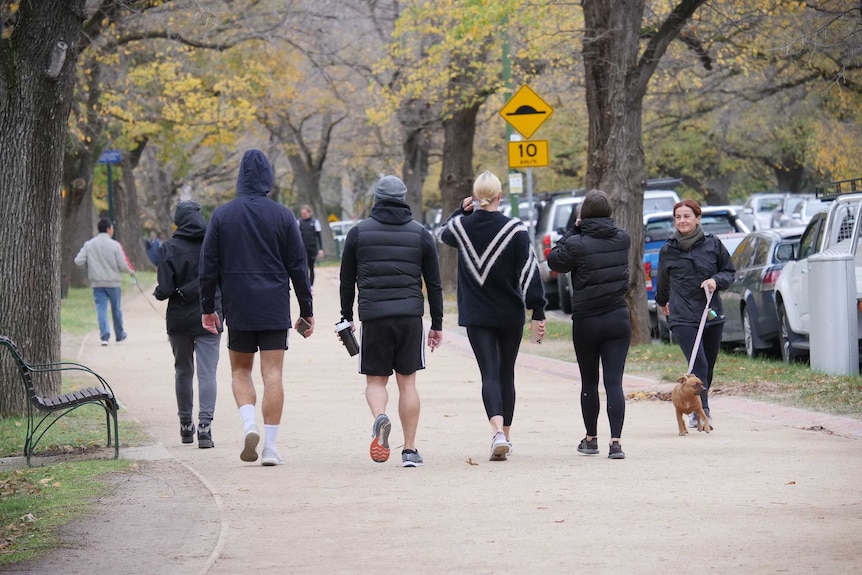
column 249, row 449
column 499, row 447
column 269, row 458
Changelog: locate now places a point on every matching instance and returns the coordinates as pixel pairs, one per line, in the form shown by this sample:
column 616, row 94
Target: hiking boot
column 616, row 451
column 589, row 446
column 269, row 457
column 249, row 448
column 410, row 458
column 187, row 432
column 379, row 448
column 499, row 447
column 205, row 438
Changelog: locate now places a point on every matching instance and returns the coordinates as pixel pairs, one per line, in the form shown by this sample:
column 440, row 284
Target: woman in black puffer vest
column 596, row 252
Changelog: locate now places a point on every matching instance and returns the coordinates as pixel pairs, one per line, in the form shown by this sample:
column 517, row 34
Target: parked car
column 831, row 229
column 757, row 210
column 659, row 201
column 749, row 303
column 722, row 221
column 524, row 210
column 805, row 210
column 782, row 216
column 339, row 233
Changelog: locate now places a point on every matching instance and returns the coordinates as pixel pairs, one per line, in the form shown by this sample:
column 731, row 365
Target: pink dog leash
column 700, row 330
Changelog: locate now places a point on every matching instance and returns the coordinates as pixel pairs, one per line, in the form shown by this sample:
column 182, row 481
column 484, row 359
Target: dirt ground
column 761, row 494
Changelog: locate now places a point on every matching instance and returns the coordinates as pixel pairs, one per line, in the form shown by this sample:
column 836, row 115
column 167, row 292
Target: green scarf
column 687, row 242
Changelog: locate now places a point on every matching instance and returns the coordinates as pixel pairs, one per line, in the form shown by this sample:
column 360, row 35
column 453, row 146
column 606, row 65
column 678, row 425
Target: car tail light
column 647, row 275
column 546, row 245
column 769, row 278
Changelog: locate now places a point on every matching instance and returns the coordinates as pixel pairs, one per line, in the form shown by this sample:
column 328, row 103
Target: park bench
column 57, row 406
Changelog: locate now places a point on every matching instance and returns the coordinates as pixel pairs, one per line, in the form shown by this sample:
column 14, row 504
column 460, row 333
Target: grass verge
column 35, row 502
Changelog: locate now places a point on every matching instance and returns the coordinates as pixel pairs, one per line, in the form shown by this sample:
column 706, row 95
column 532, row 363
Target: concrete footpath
column 771, row 490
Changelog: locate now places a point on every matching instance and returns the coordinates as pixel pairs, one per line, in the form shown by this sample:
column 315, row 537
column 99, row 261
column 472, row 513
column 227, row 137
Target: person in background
column 596, row 253
column 498, row 280
column 309, row 227
column 253, row 250
column 191, row 344
column 153, row 244
column 691, row 262
column 388, row 255
column 106, row 260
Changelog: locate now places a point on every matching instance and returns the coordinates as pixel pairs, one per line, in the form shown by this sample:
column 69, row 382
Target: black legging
column 496, row 349
column 604, row 337
column 311, row 256
column 707, row 353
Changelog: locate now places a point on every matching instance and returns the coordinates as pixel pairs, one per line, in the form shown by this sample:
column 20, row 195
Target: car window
column 562, row 215
column 664, row 204
column 808, row 243
column 761, row 252
column 716, row 224
column 658, row 231
column 741, row 258
column 768, row 204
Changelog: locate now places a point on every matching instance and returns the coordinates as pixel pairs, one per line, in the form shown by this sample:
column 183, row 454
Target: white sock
column 246, row 412
column 270, row 435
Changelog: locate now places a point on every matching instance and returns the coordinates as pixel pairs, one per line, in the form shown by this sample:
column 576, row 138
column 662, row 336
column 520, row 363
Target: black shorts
column 250, row 341
column 393, row 343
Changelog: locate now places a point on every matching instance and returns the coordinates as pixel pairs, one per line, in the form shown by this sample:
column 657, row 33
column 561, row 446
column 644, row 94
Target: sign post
column 109, row 157
column 526, row 111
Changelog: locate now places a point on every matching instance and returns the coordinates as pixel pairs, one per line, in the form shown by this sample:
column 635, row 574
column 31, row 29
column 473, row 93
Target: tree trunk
column 38, row 76
column 415, row 118
column 128, row 229
column 456, row 178
column 615, row 83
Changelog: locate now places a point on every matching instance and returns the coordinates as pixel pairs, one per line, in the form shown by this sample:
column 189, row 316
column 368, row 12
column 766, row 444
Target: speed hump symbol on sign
column 526, row 111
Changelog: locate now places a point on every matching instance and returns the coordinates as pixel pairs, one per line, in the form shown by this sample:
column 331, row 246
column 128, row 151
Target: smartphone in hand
column 303, row 326
column 535, row 336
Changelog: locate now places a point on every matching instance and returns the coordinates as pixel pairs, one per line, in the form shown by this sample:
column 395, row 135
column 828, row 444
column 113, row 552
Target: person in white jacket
column 106, row 260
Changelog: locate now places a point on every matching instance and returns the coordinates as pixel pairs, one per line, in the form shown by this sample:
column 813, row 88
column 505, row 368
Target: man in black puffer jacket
column 190, row 342
column 387, row 256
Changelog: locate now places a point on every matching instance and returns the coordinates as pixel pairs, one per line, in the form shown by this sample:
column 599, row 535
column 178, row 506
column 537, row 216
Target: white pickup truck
column 835, row 229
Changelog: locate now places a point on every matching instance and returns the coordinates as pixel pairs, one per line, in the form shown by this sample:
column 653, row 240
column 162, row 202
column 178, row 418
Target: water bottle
column 347, row 337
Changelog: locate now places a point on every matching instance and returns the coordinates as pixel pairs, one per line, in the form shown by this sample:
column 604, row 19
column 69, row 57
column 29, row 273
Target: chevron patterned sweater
column 498, row 273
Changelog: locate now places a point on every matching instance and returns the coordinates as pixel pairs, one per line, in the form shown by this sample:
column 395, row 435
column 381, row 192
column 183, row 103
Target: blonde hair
column 487, row 188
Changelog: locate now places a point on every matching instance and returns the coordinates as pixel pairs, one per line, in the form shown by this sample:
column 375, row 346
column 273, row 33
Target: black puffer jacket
column 597, row 255
column 680, row 274
column 178, row 272
column 387, row 256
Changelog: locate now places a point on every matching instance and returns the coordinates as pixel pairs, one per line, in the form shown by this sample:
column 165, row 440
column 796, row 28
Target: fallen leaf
column 471, row 462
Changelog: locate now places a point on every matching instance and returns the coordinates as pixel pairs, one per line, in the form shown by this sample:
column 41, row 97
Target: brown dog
column 686, row 400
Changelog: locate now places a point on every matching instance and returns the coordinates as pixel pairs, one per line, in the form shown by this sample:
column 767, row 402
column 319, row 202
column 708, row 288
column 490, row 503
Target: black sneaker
column 589, row 446
column 187, row 432
column 616, row 451
column 205, row 438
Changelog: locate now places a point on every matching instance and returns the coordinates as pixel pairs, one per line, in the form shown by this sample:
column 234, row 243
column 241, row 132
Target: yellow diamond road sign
column 526, row 111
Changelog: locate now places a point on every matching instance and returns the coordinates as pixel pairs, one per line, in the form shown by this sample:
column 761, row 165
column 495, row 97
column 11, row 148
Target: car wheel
column 747, row 337
column 786, row 337
column 564, row 293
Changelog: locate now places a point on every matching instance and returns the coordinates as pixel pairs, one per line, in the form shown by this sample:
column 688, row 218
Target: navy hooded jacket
column 254, row 251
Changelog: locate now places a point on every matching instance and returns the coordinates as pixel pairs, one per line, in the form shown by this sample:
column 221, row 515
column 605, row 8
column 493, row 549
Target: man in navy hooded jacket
column 253, row 250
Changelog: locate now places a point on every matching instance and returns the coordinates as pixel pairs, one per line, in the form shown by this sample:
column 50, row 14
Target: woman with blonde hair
column 498, row 279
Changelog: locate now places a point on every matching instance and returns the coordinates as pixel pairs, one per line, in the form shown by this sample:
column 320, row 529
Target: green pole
column 507, row 81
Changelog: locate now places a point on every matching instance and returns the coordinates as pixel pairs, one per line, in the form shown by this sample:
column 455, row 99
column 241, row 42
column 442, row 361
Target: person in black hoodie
column 596, row 252
column 191, row 343
column 387, row 256
column 253, row 250
column 498, row 279
column 691, row 262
